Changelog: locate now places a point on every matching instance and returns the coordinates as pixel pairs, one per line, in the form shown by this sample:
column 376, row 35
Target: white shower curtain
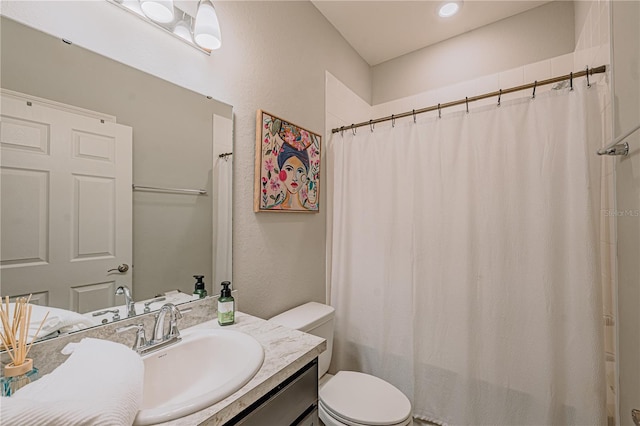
column 464, row 260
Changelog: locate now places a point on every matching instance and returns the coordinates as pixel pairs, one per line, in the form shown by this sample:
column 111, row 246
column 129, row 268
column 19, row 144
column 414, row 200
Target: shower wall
column 593, row 45
column 626, row 115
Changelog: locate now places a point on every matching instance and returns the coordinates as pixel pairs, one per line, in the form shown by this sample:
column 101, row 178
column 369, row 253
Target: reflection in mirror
column 176, row 138
column 115, row 313
column 46, row 321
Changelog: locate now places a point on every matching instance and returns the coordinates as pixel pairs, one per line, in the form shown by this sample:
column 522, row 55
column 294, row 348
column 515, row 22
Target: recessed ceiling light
column 449, row 9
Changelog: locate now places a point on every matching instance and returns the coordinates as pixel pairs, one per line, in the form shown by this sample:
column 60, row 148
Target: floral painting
column 287, row 166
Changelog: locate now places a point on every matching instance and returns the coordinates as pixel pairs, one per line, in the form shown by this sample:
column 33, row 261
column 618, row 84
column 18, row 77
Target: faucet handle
column 173, row 322
column 115, row 312
column 106, row 311
column 141, row 340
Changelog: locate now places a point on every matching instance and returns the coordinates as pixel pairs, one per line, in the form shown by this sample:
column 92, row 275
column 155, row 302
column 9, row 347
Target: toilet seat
column 357, row 399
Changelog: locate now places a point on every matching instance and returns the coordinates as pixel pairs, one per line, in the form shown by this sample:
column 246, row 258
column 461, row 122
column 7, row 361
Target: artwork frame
column 287, row 166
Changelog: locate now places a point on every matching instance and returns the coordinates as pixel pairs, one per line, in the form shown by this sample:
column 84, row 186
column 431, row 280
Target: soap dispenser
column 199, row 288
column 226, row 305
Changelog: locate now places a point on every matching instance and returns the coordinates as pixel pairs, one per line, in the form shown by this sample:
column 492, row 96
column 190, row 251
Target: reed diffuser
column 15, row 330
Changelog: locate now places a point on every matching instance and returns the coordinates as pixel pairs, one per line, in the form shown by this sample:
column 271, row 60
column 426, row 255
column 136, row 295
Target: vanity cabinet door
column 293, row 402
column 311, row 419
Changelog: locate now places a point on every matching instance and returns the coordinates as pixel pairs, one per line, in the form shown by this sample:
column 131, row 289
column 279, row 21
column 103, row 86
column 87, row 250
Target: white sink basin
column 205, row 367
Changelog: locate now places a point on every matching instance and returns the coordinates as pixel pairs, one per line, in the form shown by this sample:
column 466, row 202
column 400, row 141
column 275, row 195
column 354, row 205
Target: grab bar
column 160, row 189
column 617, row 148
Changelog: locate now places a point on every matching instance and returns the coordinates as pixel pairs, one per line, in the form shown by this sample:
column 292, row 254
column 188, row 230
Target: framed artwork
column 287, row 173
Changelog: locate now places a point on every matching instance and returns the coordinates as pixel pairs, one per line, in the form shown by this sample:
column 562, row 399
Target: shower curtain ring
column 341, row 130
column 588, row 83
column 353, row 129
column 439, row 112
column 571, row 80
column 466, row 101
column 535, row 84
column 371, row 125
column 393, row 121
column 414, row 116
column 499, row 96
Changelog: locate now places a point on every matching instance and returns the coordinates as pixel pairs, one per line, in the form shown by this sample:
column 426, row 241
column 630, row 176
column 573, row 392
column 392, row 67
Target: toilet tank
column 313, row 318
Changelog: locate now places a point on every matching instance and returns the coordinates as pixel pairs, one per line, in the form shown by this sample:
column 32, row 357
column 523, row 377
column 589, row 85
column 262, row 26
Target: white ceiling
column 383, row 30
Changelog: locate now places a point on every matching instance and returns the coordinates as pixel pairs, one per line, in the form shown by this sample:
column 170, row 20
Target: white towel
column 59, row 320
column 99, row 384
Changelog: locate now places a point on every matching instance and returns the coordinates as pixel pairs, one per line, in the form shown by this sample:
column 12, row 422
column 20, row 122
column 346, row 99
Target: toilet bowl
column 356, row 399
column 348, row 398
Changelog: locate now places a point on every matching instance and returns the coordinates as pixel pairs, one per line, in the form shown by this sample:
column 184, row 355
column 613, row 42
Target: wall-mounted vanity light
column 193, row 21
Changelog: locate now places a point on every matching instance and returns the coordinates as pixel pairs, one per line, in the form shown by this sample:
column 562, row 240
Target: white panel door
column 65, row 208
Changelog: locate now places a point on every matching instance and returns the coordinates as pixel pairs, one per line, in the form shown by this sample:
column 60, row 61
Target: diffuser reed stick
column 14, row 338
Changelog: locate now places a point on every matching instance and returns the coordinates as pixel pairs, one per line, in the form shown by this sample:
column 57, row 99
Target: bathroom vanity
column 283, row 391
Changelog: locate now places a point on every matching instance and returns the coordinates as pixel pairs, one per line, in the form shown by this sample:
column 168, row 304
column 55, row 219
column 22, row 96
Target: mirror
column 178, row 137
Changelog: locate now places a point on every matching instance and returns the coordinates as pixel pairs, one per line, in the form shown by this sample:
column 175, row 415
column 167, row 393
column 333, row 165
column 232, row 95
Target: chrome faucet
column 128, row 300
column 161, row 339
column 159, row 334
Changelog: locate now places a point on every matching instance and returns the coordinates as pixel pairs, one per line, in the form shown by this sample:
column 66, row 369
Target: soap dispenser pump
column 200, row 290
column 226, row 305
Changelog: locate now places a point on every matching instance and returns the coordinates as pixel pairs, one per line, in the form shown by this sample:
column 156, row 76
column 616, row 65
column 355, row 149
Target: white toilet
column 348, row 398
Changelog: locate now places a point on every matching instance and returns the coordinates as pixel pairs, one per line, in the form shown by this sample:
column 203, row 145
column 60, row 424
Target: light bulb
column 206, row 30
column 183, row 30
column 134, row 6
column 158, row 10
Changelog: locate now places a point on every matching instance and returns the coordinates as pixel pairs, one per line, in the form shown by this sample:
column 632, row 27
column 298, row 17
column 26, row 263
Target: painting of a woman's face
column 293, row 174
column 287, row 166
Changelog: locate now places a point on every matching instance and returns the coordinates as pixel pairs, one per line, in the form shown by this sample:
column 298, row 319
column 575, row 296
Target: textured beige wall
column 541, row 33
column 626, row 81
column 280, row 54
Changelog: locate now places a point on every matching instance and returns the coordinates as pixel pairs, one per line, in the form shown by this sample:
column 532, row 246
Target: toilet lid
column 366, row 399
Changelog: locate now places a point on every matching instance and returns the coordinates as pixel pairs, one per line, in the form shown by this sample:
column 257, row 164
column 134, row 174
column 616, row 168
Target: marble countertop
column 285, row 352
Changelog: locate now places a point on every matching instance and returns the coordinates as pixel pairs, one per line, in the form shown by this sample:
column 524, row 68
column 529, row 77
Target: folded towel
column 59, row 320
column 99, row 384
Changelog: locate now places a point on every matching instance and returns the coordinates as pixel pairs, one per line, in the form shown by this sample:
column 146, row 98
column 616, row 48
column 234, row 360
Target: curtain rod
column 498, row 94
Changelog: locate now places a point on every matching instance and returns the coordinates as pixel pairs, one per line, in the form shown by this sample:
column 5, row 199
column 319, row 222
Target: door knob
column 122, row 268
